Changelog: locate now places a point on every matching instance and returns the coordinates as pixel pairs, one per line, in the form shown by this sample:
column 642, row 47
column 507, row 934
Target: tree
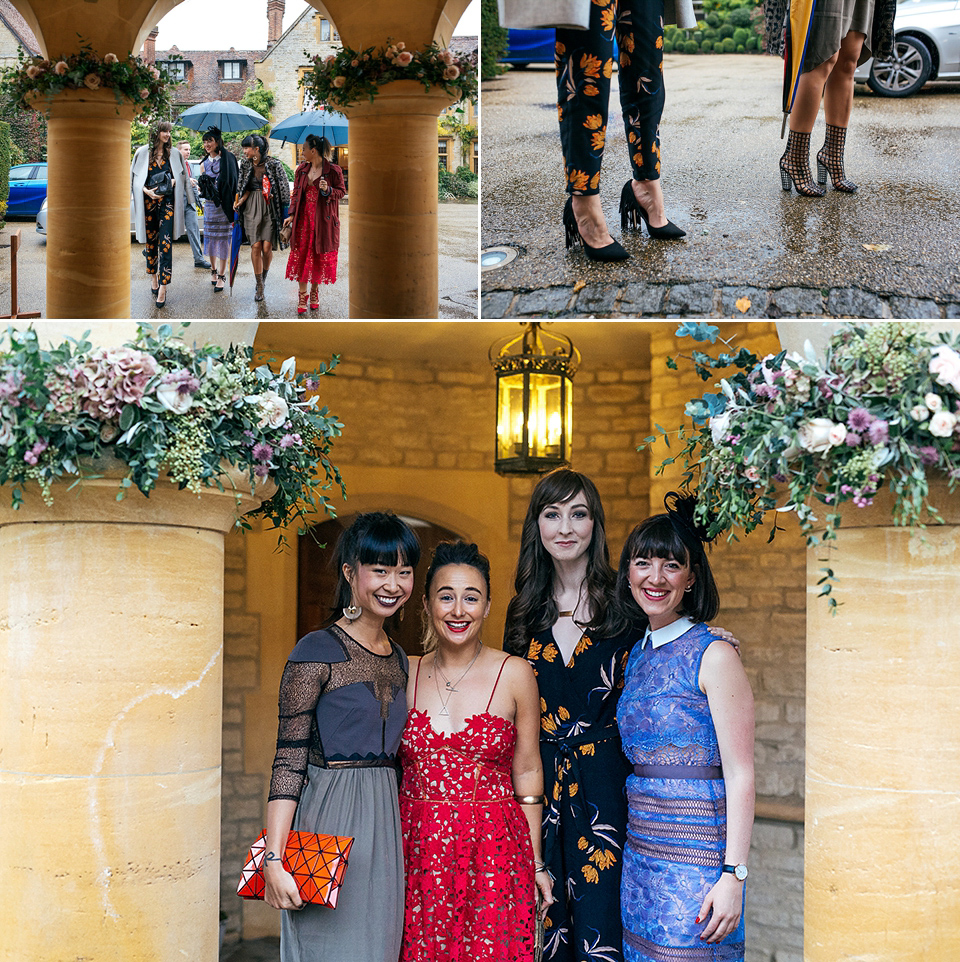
column 493, row 41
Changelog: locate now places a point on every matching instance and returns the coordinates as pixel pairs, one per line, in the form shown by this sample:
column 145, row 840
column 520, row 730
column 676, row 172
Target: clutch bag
column 160, row 183
column 536, row 14
column 316, row 862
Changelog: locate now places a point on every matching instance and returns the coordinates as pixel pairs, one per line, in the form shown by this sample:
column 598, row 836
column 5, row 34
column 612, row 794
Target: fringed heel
column 612, row 252
column 632, row 212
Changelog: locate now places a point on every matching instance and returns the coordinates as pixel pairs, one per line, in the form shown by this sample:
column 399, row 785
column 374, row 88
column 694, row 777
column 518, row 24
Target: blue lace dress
column 676, row 828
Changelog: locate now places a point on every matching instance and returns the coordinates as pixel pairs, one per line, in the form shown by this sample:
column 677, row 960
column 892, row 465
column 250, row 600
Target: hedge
column 4, row 170
column 728, row 26
column 493, row 41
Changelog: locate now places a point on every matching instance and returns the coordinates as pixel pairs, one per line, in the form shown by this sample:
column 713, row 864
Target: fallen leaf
column 876, row 247
column 579, row 286
column 744, row 304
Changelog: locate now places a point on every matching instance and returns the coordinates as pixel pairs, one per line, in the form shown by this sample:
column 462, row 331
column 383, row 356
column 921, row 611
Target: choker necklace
column 451, row 687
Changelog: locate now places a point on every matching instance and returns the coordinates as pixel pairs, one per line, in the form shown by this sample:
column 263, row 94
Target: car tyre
column 906, row 73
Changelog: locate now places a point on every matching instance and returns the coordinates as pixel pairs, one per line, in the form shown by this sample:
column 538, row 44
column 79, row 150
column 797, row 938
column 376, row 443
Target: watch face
column 740, row 872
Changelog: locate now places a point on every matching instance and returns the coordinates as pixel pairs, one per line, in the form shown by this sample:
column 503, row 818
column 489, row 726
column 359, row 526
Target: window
column 24, row 172
column 324, row 29
column 176, row 70
column 444, row 150
column 476, row 157
column 231, row 69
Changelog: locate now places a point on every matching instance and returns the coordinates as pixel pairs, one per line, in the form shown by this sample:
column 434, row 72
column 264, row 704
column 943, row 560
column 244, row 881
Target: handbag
column 316, row 862
column 536, row 14
column 160, row 182
column 285, row 233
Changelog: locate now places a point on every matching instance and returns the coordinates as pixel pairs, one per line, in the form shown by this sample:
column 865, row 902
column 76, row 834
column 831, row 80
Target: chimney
column 150, row 46
column 274, row 21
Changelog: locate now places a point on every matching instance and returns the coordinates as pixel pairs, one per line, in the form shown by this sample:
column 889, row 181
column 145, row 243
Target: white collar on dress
column 668, row 633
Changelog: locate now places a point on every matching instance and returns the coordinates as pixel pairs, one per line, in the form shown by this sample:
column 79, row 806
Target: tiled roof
column 18, row 27
column 204, row 75
column 465, row 45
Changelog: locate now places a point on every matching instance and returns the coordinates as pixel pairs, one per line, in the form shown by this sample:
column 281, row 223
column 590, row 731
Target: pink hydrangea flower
column 111, row 378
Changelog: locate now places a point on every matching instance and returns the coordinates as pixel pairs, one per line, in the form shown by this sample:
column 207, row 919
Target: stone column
column 88, row 221
column 393, row 202
column 882, row 861
column 111, row 643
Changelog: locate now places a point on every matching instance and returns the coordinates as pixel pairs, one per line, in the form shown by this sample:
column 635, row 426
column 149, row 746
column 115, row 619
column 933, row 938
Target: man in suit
column 190, row 210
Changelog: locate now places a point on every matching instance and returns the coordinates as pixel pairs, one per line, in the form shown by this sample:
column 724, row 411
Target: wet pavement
column 752, row 249
column 253, row 950
column 190, row 295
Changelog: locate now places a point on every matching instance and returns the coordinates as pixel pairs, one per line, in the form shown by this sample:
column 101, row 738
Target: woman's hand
column 725, row 900
column 544, row 886
column 239, row 202
column 288, row 220
column 725, row 635
column 280, row 890
column 151, row 194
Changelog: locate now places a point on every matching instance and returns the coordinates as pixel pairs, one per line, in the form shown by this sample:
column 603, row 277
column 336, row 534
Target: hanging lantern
column 534, row 400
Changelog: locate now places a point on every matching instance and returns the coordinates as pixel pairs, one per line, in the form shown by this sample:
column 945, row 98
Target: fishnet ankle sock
column 830, row 158
column 795, row 165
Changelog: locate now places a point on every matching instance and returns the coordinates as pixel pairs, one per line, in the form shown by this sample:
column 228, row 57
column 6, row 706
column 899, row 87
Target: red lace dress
column 304, row 264
column 466, row 844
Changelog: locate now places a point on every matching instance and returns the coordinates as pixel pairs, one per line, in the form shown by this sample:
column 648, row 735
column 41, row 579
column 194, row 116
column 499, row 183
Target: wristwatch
column 739, row 872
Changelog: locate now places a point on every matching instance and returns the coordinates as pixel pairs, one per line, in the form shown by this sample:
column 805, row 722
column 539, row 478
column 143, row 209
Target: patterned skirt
column 676, row 836
column 216, row 231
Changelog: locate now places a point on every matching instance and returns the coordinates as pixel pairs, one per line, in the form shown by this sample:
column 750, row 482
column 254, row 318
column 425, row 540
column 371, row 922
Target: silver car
column 927, row 47
column 196, row 168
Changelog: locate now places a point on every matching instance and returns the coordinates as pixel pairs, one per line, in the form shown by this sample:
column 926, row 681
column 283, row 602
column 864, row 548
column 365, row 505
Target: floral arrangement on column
column 787, row 432
column 351, row 75
column 33, row 82
column 169, row 413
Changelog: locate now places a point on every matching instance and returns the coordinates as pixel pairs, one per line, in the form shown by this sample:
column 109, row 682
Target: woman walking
column 836, row 45
column 264, row 199
column 158, row 183
column 314, row 219
column 584, row 65
column 686, row 719
column 472, row 789
column 218, row 187
column 342, row 709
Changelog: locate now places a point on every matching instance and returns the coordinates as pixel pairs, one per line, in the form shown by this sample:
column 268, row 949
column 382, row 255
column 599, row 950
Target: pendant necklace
column 451, row 687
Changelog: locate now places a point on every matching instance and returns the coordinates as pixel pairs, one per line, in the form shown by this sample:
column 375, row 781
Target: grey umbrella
column 223, row 114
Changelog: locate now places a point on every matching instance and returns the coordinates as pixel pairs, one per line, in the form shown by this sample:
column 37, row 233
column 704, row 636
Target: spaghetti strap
column 497, row 682
column 416, row 683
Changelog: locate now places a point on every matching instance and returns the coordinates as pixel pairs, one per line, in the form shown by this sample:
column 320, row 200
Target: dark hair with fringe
column 256, row 140
column 320, row 144
column 450, row 553
column 155, row 140
column 675, row 534
column 377, row 537
column 533, row 607
column 213, row 133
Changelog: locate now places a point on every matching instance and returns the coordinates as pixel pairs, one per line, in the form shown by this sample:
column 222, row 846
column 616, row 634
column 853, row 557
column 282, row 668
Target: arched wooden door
column 317, row 579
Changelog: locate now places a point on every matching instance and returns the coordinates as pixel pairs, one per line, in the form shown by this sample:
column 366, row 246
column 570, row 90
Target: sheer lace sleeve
column 300, row 689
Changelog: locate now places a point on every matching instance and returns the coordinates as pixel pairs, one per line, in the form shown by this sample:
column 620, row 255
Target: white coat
column 138, row 180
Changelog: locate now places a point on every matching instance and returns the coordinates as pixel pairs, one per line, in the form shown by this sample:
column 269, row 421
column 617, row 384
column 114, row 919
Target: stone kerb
column 111, row 661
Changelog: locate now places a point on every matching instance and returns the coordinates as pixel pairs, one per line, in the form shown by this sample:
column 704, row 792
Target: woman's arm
column 725, row 684
column 280, row 889
column 337, row 186
column 527, row 770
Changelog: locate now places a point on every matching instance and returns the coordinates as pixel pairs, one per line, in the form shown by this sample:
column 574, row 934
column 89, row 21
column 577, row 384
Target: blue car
column 28, row 190
column 525, row 47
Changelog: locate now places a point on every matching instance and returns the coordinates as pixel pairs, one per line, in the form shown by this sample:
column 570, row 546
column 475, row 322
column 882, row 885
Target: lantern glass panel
column 510, row 416
column 545, row 420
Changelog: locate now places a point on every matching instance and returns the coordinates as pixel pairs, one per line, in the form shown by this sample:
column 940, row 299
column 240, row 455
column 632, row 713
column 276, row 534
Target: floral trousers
column 159, row 246
column 584, row 63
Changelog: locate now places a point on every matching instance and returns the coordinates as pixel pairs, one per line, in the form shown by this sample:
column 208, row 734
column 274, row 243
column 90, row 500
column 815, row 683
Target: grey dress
column 342, row 712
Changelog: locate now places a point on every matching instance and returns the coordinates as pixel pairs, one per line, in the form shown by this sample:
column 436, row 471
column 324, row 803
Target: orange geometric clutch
column 316, row 862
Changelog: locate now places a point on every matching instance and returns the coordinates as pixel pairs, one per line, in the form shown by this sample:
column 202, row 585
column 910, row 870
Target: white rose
column 837, row 434
column 6, row 433
column 720, row 427
column 920, row 412
column 815, row 435
column 752, row 473
column 273, row 409
column 945, row 364
column 933, row 401
column 171, row 398
column 942, row 424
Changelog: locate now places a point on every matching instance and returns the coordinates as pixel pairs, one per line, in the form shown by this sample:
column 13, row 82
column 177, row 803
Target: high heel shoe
column 630, row 207
column 302, row 302
column 158, row 302
column 795, row 166
column 830, row 159
column 612, row 252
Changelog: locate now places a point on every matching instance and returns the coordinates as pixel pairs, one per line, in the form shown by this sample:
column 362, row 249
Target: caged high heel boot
column 795, row 166
column 612, row 252
column 631, row 209
column 830, row 158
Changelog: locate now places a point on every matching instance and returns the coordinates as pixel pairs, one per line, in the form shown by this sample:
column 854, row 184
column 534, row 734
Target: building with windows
column 15, row 34
column 458, row 141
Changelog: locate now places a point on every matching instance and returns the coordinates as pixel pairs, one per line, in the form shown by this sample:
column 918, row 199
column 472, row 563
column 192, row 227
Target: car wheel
column 905, row 74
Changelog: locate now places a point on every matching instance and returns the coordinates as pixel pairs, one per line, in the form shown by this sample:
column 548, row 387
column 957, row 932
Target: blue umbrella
column 236, row 242
column 322, row 123
column 223, row 114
